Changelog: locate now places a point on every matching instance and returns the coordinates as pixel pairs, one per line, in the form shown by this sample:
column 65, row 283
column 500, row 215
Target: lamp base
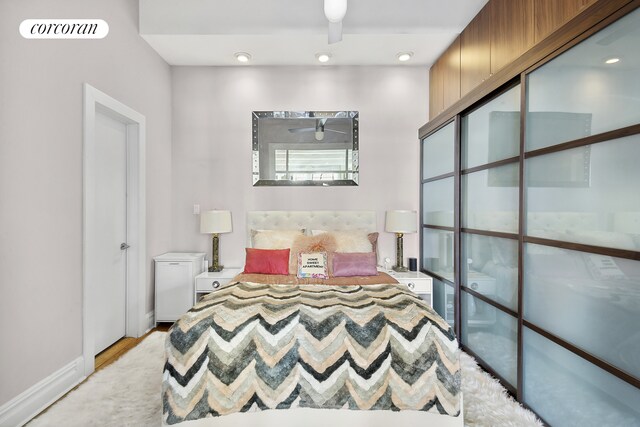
column 215, row 266
column 399, row 267
column 216, row 269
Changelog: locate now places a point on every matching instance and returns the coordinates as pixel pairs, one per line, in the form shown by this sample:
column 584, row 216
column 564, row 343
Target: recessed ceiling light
column 404, row 56
column 323, row 57
column 242, row 57
column 612, row 60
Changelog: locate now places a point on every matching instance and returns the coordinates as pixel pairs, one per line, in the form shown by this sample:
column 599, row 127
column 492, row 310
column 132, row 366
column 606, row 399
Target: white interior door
column 109, row 281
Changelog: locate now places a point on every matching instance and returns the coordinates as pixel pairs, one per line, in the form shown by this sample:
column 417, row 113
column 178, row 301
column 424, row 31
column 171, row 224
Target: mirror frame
column 255, row 147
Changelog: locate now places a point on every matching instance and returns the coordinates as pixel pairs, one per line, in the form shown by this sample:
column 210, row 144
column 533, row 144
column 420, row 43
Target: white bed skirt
column 305, row 417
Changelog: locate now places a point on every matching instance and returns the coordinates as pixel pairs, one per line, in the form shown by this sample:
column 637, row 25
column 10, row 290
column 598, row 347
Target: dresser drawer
column 419, row 286
column 210, row 284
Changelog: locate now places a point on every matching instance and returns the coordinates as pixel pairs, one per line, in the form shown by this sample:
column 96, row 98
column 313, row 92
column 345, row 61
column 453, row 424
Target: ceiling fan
column 319, row 129
column 335, row 10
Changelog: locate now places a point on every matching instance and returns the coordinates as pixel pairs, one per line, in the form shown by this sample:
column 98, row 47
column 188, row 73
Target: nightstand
column 417, row 282
column 208, row 282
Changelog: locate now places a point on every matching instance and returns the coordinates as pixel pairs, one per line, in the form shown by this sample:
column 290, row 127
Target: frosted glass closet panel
column 492, row 132
column 492, row 335
column 490, row 199
column 490, row 267
column 569, row 391
column 579, row 94
column 438, row 152
column 589, row 300
column 437, row 252
column 443, row 300
column 437, row 202
column 595, row 199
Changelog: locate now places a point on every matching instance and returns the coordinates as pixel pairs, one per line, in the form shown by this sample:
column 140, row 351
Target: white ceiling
column 292, row 32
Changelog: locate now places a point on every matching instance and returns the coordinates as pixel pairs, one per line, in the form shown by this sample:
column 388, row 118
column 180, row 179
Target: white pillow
column 274, row 239
column 351, row 241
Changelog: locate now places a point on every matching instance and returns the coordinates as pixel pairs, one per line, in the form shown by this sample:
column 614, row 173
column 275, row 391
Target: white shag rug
column 127, row 393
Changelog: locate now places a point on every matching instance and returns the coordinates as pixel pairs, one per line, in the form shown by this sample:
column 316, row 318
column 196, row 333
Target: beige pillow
column 352, row 241
column 373, row 238
column 274, row 239
column 321, row 243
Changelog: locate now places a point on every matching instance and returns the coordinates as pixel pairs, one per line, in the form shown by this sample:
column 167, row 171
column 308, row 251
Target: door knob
column 124, row 246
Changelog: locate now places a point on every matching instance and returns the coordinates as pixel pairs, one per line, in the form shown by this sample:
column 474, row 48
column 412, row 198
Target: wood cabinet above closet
column 444, row 80
column 511, row 30
column 552, row 14
column 436, row 89
column 451, row 78
column 475, row 51
column 499, row 34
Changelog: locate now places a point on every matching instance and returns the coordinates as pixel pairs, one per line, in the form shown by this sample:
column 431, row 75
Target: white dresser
column 175, row 274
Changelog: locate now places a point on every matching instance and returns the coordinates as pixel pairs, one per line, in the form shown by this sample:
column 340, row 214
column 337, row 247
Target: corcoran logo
column 64, row 29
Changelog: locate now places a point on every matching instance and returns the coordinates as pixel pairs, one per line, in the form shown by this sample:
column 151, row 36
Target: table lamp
column 215, row 222
column 400, row 222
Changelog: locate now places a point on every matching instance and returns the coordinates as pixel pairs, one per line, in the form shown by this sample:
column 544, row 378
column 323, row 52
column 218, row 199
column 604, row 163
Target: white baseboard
column 29, row 403
column 151, row 321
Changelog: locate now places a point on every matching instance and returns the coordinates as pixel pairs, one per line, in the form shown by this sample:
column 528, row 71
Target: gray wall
column 212, row 144
column 41, row 173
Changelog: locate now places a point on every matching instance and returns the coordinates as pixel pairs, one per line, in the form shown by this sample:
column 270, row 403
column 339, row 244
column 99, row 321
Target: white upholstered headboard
column 311, row 220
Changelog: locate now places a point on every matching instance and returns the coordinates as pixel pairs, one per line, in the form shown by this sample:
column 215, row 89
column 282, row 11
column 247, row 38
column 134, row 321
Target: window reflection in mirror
column 305, row 148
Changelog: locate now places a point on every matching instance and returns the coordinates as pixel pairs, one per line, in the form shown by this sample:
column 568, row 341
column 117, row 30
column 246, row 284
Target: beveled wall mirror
column 305, row 148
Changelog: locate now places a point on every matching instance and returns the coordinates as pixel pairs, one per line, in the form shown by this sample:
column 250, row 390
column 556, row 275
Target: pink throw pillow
column 354, row 264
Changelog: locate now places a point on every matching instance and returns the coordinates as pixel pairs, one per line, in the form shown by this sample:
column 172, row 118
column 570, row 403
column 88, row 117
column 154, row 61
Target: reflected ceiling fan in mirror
column 319, row 129
column 335, row 10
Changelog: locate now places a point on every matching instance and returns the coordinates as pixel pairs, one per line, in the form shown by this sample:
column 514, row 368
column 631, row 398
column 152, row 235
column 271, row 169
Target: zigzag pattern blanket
column 252, row 346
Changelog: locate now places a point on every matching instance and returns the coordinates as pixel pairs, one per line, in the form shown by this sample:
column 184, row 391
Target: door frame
column 97, row 101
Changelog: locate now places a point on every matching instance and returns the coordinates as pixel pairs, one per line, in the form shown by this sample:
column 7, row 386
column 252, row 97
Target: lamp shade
column 215, row 222
column 401, row 221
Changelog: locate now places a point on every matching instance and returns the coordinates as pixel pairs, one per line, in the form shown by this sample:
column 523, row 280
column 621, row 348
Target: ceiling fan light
column 242, row 57
column 319, row 135
column 404, row 56
column 335, row 10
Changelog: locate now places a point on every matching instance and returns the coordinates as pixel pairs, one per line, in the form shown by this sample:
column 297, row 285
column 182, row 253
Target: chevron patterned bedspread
column 252, row 346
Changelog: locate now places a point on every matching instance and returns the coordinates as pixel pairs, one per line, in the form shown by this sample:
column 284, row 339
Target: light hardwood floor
column 120, row 347
column 111, row 354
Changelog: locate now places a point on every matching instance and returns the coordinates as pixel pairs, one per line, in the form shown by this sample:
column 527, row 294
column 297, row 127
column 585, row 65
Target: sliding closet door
column 531, row 226
column 438, row 217
column 581, row 287
column 489, row 208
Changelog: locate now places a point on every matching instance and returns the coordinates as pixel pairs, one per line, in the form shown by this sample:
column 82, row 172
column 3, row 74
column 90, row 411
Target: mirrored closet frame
column 508, row 78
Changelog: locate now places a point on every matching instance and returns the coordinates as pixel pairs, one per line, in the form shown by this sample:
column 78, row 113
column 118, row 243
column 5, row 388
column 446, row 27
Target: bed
column 271, row 350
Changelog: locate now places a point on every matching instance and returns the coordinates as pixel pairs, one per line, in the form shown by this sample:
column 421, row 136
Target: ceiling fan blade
column 299, row 130
column 335, row 131
column 335, row 32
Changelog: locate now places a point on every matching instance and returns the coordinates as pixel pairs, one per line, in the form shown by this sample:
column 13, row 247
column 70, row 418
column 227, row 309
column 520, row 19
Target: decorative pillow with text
column 312, row 265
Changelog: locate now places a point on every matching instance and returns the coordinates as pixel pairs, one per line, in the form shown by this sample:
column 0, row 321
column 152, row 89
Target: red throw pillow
column 267, row 261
